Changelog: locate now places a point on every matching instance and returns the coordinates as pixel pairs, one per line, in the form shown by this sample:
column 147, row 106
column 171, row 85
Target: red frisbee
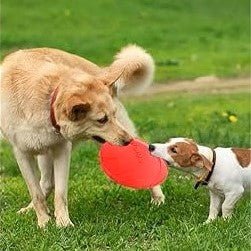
column 132, row 165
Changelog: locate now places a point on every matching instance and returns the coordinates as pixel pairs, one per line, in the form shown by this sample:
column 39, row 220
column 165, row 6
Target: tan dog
column 49, row 99
column 226, row 171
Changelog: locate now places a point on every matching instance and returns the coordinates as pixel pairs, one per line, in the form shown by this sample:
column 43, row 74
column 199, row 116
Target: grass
column 108, row 217
column 186, row 38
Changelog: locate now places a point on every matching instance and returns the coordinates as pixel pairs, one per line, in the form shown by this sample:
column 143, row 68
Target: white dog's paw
column 157, row 200
column 43, row 220
column 63, row 221
column 25, row 209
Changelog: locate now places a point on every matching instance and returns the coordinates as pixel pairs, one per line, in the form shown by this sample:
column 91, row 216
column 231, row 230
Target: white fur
column 228, row 181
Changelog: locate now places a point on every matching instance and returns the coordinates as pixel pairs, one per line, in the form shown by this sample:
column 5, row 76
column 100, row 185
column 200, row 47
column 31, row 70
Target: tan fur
column 30, row 76
column 243, row 156
column 28, row 80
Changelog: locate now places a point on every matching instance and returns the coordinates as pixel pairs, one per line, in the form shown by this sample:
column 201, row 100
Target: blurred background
column 187, row 38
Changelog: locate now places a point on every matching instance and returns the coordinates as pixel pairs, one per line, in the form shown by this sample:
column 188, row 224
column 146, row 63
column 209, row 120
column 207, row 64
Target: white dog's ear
column 77, row 109
column 199, row 160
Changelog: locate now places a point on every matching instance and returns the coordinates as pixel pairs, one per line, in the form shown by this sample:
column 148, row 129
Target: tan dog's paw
column 208, row 221
column 157, row 200
column 227, row 217
column 27, row 209
column 63, row 221
column 43, row 220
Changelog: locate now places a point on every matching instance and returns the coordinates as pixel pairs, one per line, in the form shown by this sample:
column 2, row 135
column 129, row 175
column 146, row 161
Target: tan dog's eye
column 173, row 149
column 103, row 120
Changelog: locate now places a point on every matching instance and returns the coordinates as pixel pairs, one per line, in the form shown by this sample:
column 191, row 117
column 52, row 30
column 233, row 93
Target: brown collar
column 206, row 180
column 52, row 112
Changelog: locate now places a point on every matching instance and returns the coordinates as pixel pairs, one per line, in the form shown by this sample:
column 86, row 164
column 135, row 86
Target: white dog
column 226, row 171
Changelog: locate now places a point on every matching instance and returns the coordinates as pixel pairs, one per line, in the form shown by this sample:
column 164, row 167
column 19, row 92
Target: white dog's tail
column 137, row 67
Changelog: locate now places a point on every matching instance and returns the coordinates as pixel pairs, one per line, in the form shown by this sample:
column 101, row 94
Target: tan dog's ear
column 199, row 160
column 77, row 109
column 110, row 79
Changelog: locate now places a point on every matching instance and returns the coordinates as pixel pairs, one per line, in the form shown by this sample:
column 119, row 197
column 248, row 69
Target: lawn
column 186, row 38
column 109, row 217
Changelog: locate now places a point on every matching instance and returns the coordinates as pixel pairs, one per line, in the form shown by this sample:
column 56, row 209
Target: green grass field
column 109, row 217
column 186, row 38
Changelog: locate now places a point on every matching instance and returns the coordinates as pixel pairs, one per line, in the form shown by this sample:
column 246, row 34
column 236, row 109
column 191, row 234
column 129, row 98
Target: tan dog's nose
column 126, row 142
column 125, row 139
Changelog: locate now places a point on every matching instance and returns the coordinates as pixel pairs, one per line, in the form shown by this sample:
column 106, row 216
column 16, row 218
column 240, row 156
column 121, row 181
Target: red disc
column 132, row 165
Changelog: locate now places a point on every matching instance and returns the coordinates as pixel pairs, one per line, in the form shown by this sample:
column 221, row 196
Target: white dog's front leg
column 62, row 155
column 215, row 206
column 230, row 199
column 157, row 196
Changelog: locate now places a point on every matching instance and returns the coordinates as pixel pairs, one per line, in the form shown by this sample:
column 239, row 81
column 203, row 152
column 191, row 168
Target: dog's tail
column 136, row 67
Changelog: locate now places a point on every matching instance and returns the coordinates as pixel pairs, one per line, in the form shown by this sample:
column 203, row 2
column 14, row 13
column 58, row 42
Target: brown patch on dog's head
column 243, row 156
column 181, row 152
column 185, row 153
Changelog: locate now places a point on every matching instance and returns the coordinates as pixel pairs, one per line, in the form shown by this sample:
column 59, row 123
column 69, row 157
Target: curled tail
column 137, row 67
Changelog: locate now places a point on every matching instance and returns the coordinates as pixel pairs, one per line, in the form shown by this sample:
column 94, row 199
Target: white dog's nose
column 151, row 148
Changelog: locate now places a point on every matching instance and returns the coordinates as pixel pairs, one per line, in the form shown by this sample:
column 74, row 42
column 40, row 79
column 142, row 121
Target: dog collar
column 206, row 180
column 52, row 112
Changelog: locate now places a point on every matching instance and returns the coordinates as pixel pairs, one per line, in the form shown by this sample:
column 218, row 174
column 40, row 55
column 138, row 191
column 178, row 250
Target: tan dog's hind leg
column 45, row 164
column 27, row 165
column 62, row 154
column 157, row 196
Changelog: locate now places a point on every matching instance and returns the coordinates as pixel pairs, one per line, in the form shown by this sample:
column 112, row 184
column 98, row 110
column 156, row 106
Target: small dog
column 226, row 171
column 51, row 99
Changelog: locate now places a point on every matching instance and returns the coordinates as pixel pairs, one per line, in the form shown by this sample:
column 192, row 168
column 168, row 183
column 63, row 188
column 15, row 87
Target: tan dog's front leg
column 27, row 165
column 62, row 154
column 157, row 196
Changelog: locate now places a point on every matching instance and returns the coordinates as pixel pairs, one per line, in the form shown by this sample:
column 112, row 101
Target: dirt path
column 202, row 85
